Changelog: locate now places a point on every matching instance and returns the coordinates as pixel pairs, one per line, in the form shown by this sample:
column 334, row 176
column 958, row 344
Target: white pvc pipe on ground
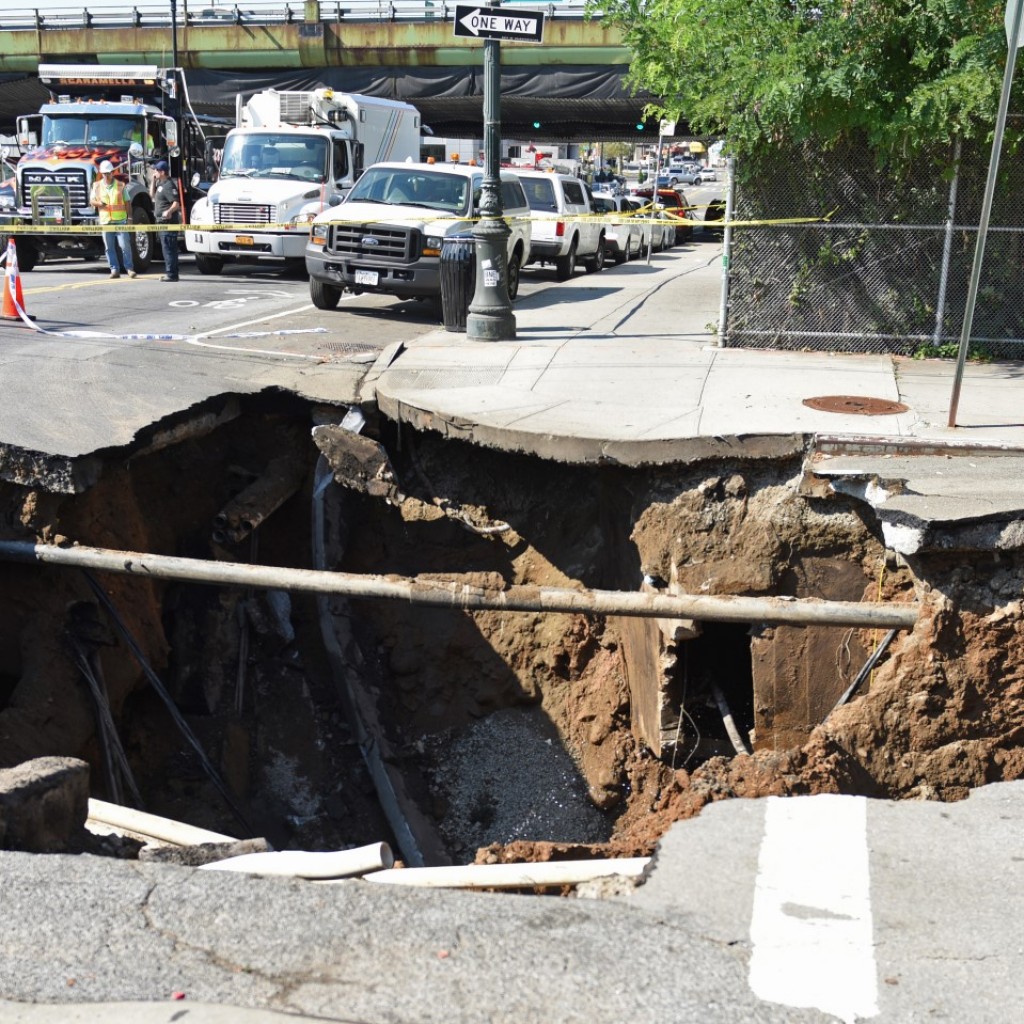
column 512, row 876
column 166, row 830
column 308, row 864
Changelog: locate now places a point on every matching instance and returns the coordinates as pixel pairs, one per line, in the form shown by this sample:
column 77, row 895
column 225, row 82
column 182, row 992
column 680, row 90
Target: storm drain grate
column 347, row 348
column 856, row 405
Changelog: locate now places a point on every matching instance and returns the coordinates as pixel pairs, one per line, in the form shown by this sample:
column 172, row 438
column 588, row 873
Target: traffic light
column 639, row 126
column 536, row 124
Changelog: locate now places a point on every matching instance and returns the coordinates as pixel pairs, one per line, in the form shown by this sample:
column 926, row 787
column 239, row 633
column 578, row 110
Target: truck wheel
column 565, row 266
column 324, row 296
column 142, row 241
column 514, row 267
column 28, row 254
column 209, row 264
column 596, row 262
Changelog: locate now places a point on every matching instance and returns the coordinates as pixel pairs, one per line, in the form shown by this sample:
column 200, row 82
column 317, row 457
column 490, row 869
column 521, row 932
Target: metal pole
column 986, row 210
column 947, row 249
column 438, row 593
column 723, row 310
column 654, row 196
column 174, row 34
column 490, row 313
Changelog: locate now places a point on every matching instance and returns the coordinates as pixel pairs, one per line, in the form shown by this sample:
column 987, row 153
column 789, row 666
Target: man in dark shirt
column 164, row 192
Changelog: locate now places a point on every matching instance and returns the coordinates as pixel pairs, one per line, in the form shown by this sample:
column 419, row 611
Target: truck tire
column 28, row 254
column 209, row 264
column 515, row 265
column 595, row 264
column 565, row 266
column 323, row 295
column 142, row 241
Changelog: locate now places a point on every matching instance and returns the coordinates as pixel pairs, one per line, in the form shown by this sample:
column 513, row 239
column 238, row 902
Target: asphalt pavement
column 802, row 909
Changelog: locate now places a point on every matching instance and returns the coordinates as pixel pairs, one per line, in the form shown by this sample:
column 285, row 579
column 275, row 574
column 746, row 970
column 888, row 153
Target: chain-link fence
column 889, row 271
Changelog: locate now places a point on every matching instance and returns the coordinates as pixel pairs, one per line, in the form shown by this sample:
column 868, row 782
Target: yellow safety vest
column 113, row 196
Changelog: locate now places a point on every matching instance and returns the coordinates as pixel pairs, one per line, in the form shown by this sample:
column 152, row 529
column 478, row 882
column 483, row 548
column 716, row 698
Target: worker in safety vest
column 109, row 198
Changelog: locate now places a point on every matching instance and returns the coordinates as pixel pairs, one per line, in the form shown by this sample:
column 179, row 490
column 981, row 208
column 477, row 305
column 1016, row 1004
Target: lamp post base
column 490, row 316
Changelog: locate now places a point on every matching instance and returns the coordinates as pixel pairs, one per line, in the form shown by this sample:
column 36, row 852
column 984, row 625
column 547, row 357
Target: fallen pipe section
column 434, row 593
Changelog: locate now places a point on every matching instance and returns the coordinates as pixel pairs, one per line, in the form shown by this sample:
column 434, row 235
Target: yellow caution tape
column 621, row 217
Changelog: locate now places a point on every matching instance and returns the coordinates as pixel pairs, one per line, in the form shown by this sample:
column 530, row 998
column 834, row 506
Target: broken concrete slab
column 43, row 804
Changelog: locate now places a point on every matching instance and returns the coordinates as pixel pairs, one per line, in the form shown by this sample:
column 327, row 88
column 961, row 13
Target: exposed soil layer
column 516, row 730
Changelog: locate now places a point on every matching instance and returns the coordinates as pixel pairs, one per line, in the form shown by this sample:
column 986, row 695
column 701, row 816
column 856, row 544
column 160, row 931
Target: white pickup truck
column 386, row 236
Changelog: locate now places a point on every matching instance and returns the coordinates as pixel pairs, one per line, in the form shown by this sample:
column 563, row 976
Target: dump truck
column 131, row 115
column 292, row 155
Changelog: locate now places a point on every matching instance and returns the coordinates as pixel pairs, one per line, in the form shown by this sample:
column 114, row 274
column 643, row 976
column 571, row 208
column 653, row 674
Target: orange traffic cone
column 13, row 297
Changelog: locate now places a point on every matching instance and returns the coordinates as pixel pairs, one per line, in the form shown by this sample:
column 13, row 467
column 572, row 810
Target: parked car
column 386, row 237
column 626, row 234
column 564, row 230
column 709, row 173
column 688, row 174
column 673, row 202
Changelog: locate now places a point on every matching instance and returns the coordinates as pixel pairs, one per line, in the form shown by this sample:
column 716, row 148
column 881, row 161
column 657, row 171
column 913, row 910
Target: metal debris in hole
column 857, row 405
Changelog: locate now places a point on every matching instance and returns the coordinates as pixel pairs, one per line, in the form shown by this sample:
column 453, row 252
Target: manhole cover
column 855, row 405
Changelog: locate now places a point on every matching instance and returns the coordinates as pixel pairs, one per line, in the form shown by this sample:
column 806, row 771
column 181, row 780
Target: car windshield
column 274, row 155
column 91, row 131
column 434, row 190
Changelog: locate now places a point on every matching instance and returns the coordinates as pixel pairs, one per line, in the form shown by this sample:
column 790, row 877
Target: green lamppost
column 490, row 316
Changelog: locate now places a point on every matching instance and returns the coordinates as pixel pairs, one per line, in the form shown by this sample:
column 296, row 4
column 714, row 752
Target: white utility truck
column 292, row 156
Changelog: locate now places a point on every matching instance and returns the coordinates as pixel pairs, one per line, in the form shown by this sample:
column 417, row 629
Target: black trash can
column 458, row 279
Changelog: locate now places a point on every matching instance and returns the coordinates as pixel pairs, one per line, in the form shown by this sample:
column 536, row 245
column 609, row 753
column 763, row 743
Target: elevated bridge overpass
column 570, row 86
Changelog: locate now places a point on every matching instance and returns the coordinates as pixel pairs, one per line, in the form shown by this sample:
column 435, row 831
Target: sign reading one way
column 493, row 23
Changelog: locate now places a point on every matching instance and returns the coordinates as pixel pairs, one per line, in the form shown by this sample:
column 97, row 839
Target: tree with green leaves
column 904, row 75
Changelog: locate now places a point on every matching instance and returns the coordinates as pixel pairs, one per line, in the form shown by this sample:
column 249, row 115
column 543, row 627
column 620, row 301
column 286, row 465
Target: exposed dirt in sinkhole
column 517, row 732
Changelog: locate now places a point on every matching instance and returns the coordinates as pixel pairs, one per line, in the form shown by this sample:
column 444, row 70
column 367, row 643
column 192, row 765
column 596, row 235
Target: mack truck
column 292, row 155
column 128, row 114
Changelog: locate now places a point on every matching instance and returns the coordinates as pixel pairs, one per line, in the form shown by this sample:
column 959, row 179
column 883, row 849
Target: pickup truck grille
column 71, row 181
column 242, row 213
column 380, row 241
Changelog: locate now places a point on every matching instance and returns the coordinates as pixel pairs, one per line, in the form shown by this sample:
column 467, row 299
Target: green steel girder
column 300, row 44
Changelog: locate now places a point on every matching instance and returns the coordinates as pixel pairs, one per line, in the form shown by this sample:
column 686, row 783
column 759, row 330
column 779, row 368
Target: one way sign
column 493, row 23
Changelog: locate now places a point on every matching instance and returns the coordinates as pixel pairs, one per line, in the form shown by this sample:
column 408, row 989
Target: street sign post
column 490, row 316
column 493, row 23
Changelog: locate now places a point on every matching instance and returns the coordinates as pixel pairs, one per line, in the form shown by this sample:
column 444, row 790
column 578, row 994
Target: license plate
column 243, row 240
column 370, row 277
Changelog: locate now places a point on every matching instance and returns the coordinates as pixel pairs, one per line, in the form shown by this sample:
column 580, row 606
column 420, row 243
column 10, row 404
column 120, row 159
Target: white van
column 565, row 230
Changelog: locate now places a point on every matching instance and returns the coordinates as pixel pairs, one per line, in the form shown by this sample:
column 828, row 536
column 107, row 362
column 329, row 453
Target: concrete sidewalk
column 623, row 366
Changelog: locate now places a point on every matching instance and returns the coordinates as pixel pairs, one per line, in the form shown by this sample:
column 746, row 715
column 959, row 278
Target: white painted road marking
column 811, row 924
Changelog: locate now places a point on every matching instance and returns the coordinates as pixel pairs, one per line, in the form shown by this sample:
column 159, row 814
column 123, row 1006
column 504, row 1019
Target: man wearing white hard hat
column 108, row 196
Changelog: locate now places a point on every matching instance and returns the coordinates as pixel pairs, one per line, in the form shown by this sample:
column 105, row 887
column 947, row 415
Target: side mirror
column 335, row 200
column 135, row 150
column 195, row 180
column 174, row 151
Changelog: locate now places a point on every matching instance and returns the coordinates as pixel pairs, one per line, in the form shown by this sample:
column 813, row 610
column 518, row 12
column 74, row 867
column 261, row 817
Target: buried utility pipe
column 728, row 721
column 437, row 593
